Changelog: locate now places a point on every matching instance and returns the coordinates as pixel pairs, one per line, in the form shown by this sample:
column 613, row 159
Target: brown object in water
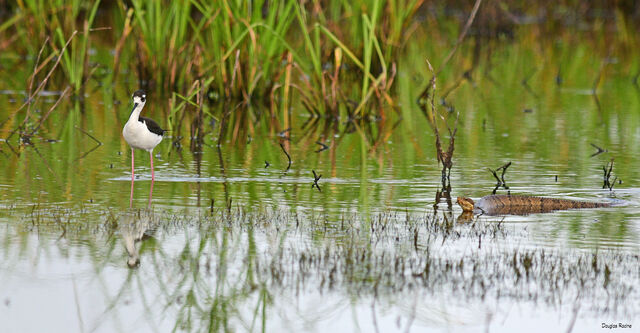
column 521, row 204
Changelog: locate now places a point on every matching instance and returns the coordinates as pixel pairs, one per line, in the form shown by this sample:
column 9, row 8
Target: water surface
column 235, row 245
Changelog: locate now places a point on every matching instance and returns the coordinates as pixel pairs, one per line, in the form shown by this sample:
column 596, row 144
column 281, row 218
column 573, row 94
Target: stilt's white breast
column 138, row 136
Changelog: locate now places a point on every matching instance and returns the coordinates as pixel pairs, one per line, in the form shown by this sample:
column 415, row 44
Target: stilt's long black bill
column 135, row 105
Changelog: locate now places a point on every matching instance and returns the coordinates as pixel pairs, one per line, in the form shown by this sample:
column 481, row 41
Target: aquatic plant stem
column 288, row 157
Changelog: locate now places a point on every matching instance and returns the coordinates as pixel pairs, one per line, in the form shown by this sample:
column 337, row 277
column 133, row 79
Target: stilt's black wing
column 152, row 126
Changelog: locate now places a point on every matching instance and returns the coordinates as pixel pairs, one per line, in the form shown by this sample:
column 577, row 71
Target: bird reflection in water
column 135, row 227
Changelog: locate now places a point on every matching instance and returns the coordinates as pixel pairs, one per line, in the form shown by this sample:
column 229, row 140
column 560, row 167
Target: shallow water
column 288, row 257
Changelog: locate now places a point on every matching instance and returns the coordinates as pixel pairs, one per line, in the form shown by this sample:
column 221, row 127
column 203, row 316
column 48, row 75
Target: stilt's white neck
column 137, row 108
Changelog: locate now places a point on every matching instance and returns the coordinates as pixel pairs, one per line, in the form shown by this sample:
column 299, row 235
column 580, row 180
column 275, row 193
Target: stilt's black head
column 139, row 95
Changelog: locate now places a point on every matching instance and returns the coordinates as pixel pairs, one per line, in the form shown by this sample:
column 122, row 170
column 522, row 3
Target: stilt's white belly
column 138, row 136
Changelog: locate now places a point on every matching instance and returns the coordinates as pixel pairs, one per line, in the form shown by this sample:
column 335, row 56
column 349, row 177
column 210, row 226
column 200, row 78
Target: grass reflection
column 232, row 269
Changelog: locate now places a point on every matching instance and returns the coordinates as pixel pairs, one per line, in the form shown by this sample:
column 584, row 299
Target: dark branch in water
column 504, row 169
column 323, row 147
column 600, row 150
column 98, row 143
column 289, row 157
column 315, row 180
column 443, row 157
column 607, row 176
column 500, row 180
column 89, row 135
column 87, row 153
column 495, row 176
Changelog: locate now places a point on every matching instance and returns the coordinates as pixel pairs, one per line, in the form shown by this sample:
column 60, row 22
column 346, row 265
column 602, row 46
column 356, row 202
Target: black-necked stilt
column 142, row 133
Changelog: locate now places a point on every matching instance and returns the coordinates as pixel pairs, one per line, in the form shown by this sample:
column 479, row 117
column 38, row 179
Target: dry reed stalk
column 41, row 85
column 286, row 90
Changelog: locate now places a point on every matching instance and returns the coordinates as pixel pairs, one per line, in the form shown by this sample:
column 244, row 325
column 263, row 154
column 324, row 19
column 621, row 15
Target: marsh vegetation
column 313, row 152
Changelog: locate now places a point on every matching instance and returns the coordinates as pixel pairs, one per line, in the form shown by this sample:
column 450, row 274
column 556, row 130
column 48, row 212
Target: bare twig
column 442, row 156
column 89, row 135
column 288, row 157
column 500, row 182
column 600, row 150
column 607, row 176
column 322, row 148
column 88, row 152
column 445, row 157
column 504, row 169
column 315, row 180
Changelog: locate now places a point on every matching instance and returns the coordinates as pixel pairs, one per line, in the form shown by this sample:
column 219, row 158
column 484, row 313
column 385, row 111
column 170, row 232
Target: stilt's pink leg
column 131, row 196
column 153, row 178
